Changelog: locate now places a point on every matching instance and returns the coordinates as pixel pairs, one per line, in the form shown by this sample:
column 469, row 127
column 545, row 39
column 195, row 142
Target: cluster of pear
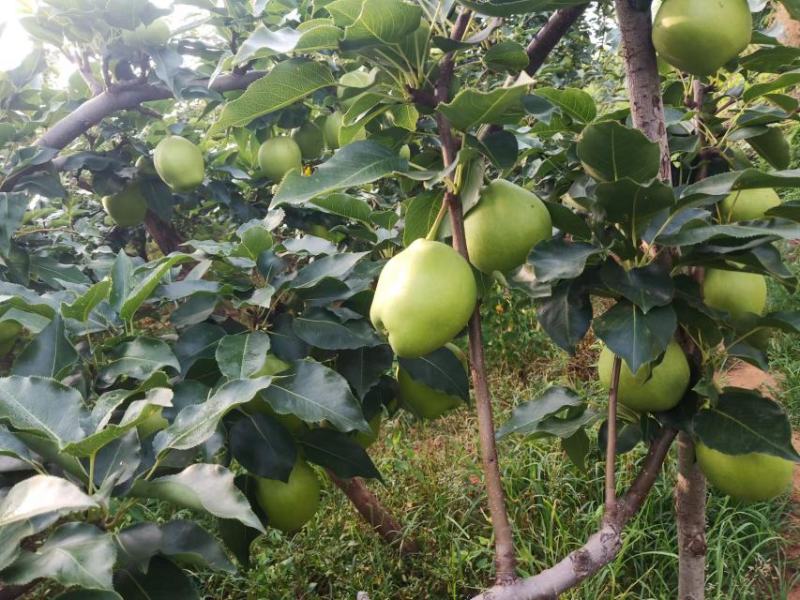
column 427, row 293
column 280, row 154
column 179, row 164
column 747, row 477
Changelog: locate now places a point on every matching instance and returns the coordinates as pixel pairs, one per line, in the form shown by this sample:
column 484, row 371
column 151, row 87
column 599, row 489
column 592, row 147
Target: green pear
column 128, row 208
column 700, row 36
column 424, row 298
column 179, row 163
column 746, row 205
column 310, row 140
column 331, row 128
column 752, row 477
column 736, row 292
column 9, row 332
column 279, row 155
column 424, row 401
column 652, row 388
column 290, row 505
column 506, row 223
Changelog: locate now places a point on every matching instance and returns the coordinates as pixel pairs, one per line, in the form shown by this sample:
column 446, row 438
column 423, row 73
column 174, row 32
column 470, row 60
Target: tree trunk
column 690, row 507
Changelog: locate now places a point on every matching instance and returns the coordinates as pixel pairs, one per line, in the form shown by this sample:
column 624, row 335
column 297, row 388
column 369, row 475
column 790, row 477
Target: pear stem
column 433, row 232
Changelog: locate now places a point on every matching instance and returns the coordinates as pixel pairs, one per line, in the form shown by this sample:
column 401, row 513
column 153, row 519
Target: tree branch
column 505, row 560
column 375, row 513
column 601, row 548
column 550, row 34
column 611, row 441
column 644, row 84
column 164, row 234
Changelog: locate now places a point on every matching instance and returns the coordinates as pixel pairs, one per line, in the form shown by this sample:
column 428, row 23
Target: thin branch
column 550, row 34
column 601, row 548
column 374, row 513
column 505, row 559
column 611, row 441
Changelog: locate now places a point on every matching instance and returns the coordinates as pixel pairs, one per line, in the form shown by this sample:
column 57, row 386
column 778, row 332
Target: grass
column 433, row 484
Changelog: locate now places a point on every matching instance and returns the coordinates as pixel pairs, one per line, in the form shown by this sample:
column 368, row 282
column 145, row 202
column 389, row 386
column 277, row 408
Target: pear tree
column 231, row 249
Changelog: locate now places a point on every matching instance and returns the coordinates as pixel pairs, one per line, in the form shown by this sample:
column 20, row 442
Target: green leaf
column 197, row 422
column 318, row 34
column 141, row 292
column 74, row 554
column 162, row 581
column 567, row 314
column 321, row 329
column 288, row 82
column 421, row 214
column 577, row 447
column 33, row 505
column 748, row 179
column 42, row 406
column 633, row 204
column 526, row 418
column 265, row 42
column 502, row 105
column 742, row 421
column 201, row 487
column 136, row 413
column 12, row 209
column 506, row 55
column 610, row 151
column 773, row 229
column 86, row 302
column 241, row 356
column 343, row 205
column 558, row 258
column 440, row 370
column 363, row 367
column 338, row 452
column 505, row 8
column 789, row 79
column 647, row 287
column 263, row 446
column 333, row 266
column 121, row 275
column 574, row 103
column 139, row 359
column 382, row 22
column 356, row 164
column 316, row 393
column 50, row 354
column 634, row 336
column 196, row 343
column 187, row 543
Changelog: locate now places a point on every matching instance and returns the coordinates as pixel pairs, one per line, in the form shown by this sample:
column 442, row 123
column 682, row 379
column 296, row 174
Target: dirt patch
column 744, row 375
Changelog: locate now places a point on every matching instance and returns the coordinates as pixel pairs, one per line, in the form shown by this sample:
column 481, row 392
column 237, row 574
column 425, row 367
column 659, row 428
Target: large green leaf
column 142, row 290
column 201, row 487
column 440, row 370
column 31, row 506
column 742, row 421
column 647, row 287
column 634, row 336
column 527, row 417
column 316, row 393
column 610, row 151
column 50, row 354
column 321, row 329
column 86, row 302
column 75, row 554
column 12, row 208
column 567, row 313
column 43, row 406
column 241, row 356
column 139, row 359
column 506, row 8
column 338, row 452
column 356, row 164
column 136, row 413
column 558, row 258
column 471, row 107
column 288, row 82
column 363, row 367
column 263, row 446
column 382, row 22
column 197, row 422
column 575, row 103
